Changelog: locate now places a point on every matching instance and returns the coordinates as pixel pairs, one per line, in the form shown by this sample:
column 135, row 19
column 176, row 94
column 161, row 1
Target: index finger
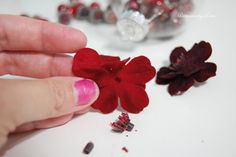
column 24, row 34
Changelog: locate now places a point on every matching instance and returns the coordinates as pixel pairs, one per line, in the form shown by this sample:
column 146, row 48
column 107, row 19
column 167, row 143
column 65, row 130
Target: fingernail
column 85, row 91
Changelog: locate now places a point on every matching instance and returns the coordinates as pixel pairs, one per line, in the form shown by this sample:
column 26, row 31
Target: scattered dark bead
column 124, row 118
column 70, row 11
column 95, row 5
column 96, row 16
column 125, row 149
column 130, row 127
column 88, row 148
column 118, row 127
column 110, row 17
column 118, row 130
column 62, row 8
column 83, row 13
column 65, row 18
column 76, row 7
column 121, row 124
column 133, row 4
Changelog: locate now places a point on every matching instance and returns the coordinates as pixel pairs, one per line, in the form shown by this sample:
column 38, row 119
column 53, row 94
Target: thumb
column 25, row 101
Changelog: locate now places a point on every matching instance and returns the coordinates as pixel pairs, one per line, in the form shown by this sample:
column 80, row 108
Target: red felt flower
column 187, row 67
column 118, row 80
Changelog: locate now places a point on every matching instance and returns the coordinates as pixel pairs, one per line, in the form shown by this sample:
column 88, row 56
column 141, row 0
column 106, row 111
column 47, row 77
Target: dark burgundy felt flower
column 187, row 67
column 119, row 81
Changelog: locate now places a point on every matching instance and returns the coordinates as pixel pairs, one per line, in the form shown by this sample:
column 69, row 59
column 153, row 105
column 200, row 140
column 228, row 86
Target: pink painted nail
column 85, row 91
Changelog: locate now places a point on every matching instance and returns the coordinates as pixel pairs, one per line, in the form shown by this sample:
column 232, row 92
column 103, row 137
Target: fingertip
column 81, row 39
column 76, row 39
column 86, row 92
column 44, row 36
column 60, row 38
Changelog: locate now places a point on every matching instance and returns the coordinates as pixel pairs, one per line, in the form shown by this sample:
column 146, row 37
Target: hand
column 35, row 48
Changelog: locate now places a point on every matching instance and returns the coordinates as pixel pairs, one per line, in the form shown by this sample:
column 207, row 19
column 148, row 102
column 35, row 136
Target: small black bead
column 88, row 148
column 64, row 18
column 96, row 16
column 83, row 13
column 130, row 127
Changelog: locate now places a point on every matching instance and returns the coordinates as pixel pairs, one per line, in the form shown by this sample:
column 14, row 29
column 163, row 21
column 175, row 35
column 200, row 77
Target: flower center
column 117, row 79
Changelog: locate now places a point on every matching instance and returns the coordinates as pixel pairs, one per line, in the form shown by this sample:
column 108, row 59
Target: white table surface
column 199, row 123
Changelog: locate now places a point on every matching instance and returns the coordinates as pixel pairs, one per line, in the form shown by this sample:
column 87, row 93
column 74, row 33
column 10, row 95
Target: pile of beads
column 122, row 123
column 155, row 18
column 135, row 20
column 78, row 10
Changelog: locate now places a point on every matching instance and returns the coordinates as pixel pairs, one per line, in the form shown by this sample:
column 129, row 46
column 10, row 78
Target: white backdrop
column 199, row 123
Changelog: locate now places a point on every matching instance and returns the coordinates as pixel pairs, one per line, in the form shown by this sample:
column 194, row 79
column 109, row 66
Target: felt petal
column 105, row 79
column 133, row 98
column 138, row 71
column 200, row 51
column 109, row 59
column 190, row 68
column 112, row 64
column 161, row 81
column 180, row 85
column 107, row 100
column 166, row 73
column 176, row 54
column 86, row 63
column 205, row 73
